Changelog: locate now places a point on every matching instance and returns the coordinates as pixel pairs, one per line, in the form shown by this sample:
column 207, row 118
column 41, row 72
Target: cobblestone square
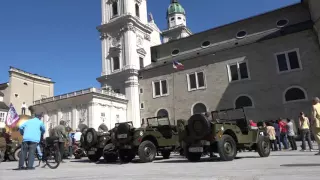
column 293, row 165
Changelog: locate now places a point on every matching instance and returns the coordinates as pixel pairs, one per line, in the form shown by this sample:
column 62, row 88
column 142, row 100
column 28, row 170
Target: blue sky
column 58, row 39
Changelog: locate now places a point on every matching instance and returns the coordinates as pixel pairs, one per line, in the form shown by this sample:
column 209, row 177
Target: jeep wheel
column 95, row 157
column 263, row 146
column 91, row 137
column 166, row 154
column 227, row 148
column 17, row 153
column 147, row 151
column 126, row 155
column 110, row 157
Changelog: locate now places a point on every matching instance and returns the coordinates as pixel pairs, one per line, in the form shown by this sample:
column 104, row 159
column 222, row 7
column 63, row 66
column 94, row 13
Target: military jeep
column 224, row 132
column 95, row 143
column 157, row 136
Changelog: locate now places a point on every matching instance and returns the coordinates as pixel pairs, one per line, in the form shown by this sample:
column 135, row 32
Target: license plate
column 93, row 149
column 206, row 143
column 122, row 136
column 127, row 146
column 91, row 152
column 196, row 149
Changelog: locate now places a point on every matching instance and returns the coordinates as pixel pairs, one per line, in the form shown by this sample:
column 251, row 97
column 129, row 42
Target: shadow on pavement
column 299, row 165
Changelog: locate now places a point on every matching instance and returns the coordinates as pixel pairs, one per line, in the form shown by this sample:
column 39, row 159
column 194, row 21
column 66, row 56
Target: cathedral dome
column 175, row 7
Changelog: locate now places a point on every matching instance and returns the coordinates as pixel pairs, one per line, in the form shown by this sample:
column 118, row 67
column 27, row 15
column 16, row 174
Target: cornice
column 124, row 20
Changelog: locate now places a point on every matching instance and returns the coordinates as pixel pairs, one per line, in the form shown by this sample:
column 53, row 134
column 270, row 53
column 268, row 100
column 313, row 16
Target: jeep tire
column 165, row 154
column 16, row 155
column 198, row 126
column 227, row 148
column 126, row 155
column 147, row 151
column 93, row 139
column 263, row 146
column 95, row 157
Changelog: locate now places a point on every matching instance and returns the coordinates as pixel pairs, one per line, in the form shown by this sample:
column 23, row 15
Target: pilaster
column 91, row 117
column 74, row 118
column 130, row 48
column 59, row 116
column 133, row 106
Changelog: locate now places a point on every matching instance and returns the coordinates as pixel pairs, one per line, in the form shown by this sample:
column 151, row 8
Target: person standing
column 304, row 125
column 277, row 130
column 60, row 132
column 23, row 108
column 31, row 131
column 316, row 121
column 283, row 133
column 291, row 135
column 272, row 135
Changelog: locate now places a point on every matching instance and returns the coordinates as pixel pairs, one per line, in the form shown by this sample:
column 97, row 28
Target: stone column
column 74, row 118
column 91, row 115
column 132, row 94
column 130, row 48
column 59, row 116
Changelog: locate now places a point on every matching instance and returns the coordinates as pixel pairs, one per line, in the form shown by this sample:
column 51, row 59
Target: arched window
column 243, row 101
column 162, row 113
column 199, row 108
column 294, row 94
column 137, row 10
column 115, row 8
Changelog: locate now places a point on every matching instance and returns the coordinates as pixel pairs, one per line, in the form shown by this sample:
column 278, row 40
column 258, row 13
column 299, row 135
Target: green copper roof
column 175, row 7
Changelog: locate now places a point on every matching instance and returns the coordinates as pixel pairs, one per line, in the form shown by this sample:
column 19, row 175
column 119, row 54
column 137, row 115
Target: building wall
column 26, row 89
column 266, row 86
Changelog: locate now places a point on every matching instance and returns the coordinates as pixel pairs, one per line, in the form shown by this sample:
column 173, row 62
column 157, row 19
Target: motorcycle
column 78, row 152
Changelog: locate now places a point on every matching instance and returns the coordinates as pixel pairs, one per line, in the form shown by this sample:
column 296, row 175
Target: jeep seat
column 166, row 131
column 243, row 125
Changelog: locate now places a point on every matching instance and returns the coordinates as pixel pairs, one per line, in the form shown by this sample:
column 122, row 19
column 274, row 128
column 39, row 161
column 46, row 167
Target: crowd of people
column 281, row 132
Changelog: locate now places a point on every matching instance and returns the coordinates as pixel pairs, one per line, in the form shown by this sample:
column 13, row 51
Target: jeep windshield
column 158, row 121
column 228, row 115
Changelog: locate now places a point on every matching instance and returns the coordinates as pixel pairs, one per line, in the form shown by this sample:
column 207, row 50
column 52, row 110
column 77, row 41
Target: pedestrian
column 304, row 125
column 77, row 135
column 60, row 132
column 71, row 138
column 283, row 133
column 31, row 130
column 23, row 108
column 272, row 136
column 277, row 130
column 291, row 135
column 3, row 146
column 316, row 121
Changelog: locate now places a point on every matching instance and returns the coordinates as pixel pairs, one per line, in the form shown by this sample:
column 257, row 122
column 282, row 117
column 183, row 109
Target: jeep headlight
column 222, row 128
column 141, row 133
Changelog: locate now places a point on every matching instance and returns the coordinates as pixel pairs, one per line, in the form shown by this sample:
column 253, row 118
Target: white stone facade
column 89, row 106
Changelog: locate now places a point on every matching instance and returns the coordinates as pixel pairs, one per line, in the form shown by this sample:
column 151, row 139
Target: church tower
column 125, row 39
column 177, row 23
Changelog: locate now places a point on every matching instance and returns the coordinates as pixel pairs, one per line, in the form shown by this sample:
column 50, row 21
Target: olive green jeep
column 98, row 144
column 157, row 136
column 224, row 132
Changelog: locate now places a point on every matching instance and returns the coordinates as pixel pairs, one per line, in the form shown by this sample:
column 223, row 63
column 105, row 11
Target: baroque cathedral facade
column 267, row 63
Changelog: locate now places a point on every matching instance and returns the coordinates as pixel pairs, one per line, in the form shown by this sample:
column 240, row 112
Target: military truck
column 158, row 136
column 98, row 144
column 224, row 132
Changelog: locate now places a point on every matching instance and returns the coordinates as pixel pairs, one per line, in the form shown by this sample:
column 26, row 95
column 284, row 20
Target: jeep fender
column 150, row 138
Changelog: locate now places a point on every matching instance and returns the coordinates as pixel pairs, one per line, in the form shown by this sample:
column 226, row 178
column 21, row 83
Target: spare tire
column 123, row 132
column 103, row 127
column 82, row 127
column 198, row 126
column 91, row 137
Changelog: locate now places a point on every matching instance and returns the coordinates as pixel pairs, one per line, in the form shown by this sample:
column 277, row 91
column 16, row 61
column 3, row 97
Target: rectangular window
column 160, row 88
column 137, row 10
column 114, row 9
column 2, row 116
column 141, row 62
column 141, row 105
column 141, row 91
column 288, row 61
column 238, row 71
column 116, row 63
column 196, row 81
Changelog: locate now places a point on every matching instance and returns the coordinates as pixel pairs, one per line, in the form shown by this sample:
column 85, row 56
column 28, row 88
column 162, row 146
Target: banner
column 12, row 117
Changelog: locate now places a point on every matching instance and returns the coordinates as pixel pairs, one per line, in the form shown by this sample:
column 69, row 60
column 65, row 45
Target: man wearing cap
column 31, row 131
column 316, row 120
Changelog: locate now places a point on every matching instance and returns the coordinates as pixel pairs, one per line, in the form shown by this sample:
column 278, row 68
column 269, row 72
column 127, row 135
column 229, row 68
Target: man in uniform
column 60, row 132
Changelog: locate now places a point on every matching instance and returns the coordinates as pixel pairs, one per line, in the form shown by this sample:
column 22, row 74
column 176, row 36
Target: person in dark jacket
column 60, row 132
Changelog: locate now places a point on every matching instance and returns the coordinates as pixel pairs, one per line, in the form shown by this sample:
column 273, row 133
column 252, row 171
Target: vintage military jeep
column 224, row 132
column 157, row 136
column 94, row 143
